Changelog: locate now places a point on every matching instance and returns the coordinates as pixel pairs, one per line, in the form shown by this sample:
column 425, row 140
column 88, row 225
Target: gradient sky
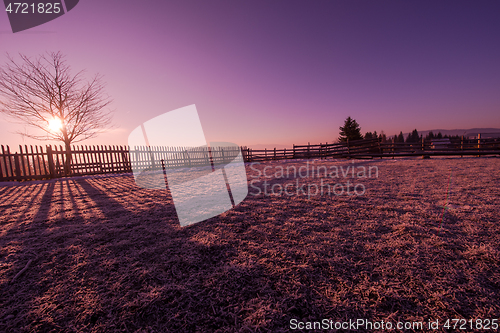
column 281, row 71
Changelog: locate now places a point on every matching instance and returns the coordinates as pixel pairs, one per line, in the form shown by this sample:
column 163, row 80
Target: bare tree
column 42, row 92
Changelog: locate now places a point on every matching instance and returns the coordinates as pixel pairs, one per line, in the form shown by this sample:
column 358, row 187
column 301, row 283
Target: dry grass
column 109, row 256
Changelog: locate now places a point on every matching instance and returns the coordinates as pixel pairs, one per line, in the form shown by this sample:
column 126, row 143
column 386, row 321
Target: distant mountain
column 494, row 132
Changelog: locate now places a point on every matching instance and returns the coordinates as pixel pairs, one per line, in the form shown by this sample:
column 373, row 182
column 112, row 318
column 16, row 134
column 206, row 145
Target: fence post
column 23, row 167
column 275, row 153
column 110, row 154
column 308, row 150
column 17, row 166
column 151, row 157
column 293, row 156
column 423, row 148
column 211, row 157
column 380, row 146
column 100, row 158
column 129, row 158
column 207, row 156
column 124, row 160
column 393, row 148
column 50, row 160
column 478, row 143
column 462, row 145
column 10, row 168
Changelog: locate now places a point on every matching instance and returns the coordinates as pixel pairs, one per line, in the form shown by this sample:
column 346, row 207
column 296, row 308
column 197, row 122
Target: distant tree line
column 352, row 131
column 414, row 137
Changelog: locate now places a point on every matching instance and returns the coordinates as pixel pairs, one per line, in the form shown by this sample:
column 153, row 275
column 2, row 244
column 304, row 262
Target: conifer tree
column 350, row 130
column 400, row 137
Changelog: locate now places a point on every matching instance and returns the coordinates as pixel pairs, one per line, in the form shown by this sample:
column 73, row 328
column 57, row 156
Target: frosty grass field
column 109, row 256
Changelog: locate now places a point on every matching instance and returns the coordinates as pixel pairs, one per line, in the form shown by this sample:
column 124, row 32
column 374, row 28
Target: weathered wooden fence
column 152, row 158
column 31, row 163
column 376, row 148
column 38, row 162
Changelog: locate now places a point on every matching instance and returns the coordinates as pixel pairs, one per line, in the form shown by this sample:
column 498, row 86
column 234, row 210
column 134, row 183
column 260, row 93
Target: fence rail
column 32, row 163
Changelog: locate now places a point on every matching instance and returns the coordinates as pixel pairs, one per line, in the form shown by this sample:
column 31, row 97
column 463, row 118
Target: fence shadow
column 108, row 256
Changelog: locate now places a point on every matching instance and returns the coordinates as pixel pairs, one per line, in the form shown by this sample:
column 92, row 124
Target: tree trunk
column 67, row 144
column 67, row 163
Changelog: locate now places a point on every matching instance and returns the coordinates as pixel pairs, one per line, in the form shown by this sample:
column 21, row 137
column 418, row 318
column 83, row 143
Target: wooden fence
column 155, row 158
column 376, row 148
column 32, row 163
column 44, row 163
column 37, row 162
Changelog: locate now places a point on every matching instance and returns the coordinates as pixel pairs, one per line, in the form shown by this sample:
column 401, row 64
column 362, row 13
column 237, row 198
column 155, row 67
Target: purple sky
column 281, row 71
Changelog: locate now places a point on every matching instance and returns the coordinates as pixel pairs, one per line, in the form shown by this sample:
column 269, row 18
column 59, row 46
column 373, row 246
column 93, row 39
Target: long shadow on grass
column 45, row 204
column 127, row 265
column 113, row 269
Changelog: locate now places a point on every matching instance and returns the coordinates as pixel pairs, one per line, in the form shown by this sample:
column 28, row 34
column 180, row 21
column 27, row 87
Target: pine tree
column 350, row 130
column 401, row 137
column 382, row 137
column 415, row 136
column 412, row 137
column 408, row 138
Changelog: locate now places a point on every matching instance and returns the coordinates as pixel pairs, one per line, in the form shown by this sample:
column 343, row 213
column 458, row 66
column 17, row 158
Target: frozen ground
column 109, row 256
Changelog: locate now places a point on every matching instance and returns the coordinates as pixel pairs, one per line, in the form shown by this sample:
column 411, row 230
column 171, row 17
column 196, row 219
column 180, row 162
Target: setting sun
column 55, row 124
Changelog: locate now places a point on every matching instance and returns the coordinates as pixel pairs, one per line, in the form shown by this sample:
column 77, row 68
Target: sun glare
column 55, row 124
